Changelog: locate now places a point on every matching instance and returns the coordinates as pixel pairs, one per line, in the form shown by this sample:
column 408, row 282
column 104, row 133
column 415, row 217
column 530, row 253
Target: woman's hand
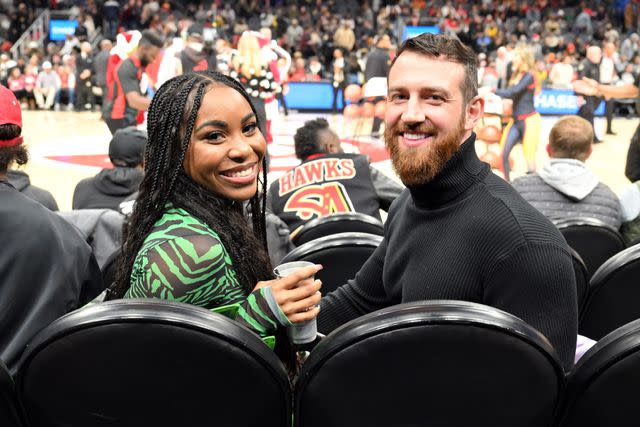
column 297, row 294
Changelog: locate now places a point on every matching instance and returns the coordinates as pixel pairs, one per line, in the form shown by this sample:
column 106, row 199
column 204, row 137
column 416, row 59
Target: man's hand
column 586, row 86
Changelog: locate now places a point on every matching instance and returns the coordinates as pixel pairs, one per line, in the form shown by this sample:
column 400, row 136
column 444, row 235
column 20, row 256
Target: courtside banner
column 558, row 102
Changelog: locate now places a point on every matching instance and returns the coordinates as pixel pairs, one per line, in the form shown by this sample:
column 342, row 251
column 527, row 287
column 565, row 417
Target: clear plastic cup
column 303, row 332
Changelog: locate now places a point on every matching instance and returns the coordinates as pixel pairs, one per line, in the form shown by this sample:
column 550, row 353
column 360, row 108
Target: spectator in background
column 293, row 35
column 30, row 77
column 84, row 72
column 110, row 187
column 65, row 276
column 338, row 78
column 195, row 57
column 562, row 73
column 127, row 100
column 590, row 68
column 16, row 84
column 344, row 38
column 356, row 186
column 608, row 75
column 110, row 18
column 47, row 85
column 67, row 86
column 100, row 65
column 565, row 187
column 630, row 47
column 377, row 65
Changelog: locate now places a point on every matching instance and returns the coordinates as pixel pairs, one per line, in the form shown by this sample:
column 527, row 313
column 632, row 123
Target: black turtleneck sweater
column 467, row 235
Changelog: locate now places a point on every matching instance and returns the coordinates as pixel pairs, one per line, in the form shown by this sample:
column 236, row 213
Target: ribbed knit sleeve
column 536, row 283
column 361, row 295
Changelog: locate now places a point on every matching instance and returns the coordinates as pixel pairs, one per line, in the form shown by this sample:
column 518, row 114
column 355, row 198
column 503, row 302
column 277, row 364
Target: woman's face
column 226, row 149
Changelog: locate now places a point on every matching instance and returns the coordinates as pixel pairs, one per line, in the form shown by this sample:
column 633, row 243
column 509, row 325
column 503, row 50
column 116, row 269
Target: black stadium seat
column 603, row 387
column 431, row 363
column 341, row 255
column 594, row 240
column 613, row 298
column 151, row 363
column 337, row 223
column 8, row 408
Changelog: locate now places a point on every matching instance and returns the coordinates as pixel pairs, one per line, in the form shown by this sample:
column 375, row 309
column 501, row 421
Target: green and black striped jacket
column 182, row 259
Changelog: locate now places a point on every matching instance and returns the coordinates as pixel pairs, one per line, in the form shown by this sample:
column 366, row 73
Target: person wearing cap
column 127, row 100
column 196, row 56
column 47, row 85
column 46, row 267
column 110, row 187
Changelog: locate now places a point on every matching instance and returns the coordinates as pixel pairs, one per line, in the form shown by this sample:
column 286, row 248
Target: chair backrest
column 603, row 387
column 593, row 239
column 8, row 408
column 613, row 298
column 337, row 223
column 102, row 229
column 341, row 255
column 109, row 269
column 582, row 277
column 152, row 363
column 431, row 363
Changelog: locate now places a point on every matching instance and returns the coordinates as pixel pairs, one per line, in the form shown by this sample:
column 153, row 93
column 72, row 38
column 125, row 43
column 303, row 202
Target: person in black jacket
column 20, row 180
column 590, row 87
column 458, row 232
column 377, row 65
column 46, row 267
column 590, row 68
column 328, row 181
column 110, row 187
column 84, row 78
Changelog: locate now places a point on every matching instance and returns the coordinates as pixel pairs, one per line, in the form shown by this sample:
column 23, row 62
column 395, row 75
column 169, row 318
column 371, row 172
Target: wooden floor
column 68, row 146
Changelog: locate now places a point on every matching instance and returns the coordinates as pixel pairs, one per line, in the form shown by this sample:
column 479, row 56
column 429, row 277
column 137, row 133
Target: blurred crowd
column 326, row 39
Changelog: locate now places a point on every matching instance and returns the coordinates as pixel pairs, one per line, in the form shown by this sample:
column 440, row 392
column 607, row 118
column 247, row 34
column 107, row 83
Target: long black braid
column 171, row 120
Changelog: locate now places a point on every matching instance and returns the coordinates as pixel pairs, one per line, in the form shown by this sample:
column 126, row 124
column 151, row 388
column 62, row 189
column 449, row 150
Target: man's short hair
column 451, row 49
column 571, row 138
column 306, row 138
column 16, row 153
column 151, row 38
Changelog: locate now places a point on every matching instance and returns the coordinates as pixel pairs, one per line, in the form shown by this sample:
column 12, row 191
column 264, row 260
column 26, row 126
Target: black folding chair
column 603, row 386
column 613, row 298
column 341, row 255
column 431, row 363
column 9, row 414
column 593, row 239
column 151, row 363
column 337, row 223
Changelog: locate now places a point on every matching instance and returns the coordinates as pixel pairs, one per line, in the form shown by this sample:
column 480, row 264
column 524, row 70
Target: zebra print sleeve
column 196, row 269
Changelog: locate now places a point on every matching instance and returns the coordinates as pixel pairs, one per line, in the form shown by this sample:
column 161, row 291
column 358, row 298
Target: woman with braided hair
column 189, row 238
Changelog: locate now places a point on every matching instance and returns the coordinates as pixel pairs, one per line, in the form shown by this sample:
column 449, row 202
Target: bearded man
column 458, row 232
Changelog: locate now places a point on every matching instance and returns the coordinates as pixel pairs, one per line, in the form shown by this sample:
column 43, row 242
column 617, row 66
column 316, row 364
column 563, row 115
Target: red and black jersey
column 127, row 79
column 324, row 185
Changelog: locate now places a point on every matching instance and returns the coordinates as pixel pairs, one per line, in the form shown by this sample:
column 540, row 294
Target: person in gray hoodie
column 110, row 187
column 565, row 187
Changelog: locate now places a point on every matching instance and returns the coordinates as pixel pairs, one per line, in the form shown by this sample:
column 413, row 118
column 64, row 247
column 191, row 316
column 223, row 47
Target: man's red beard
column 417, row 166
